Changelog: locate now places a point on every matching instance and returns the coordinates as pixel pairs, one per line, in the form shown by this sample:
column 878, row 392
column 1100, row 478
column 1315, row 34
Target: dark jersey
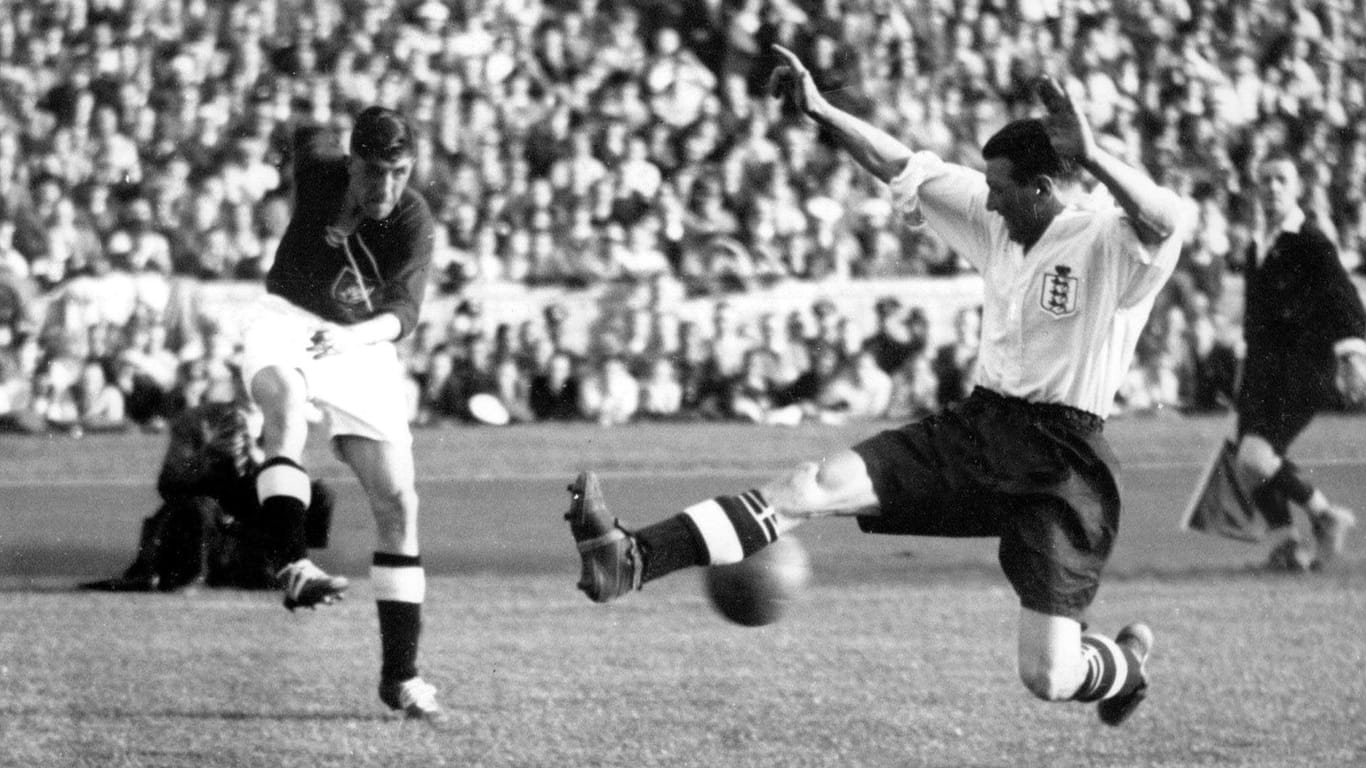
column 208, row 454
column 388, row 259
column 1299, row 301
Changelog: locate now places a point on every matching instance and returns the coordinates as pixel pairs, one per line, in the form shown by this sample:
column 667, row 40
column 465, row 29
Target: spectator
column 17, row 293
column 191, row 387
column 890, row 345
column 754, row 396
column 704, row 388
column 55, row 399
column 790, row 356
column 826, row 364
column 609, row 144
column 146, row 372
column 99, row 401
column 661, row 391
column 1152, row 386
column 18, row 364
column 611, row 395
column 436, row 396
column 554, row 394
column 861, row 391
column 72, row 246
column 221, row 366
column 915, row 389
column 829, row 331
column 13, row 265
column 728, row 344
column 513, row 389
column 136, row 245
column 954, row 364
column 472, row 373
column 1216, row 357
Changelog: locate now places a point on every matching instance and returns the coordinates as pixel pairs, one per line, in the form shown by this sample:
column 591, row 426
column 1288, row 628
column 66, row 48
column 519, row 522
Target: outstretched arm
column 1147, row 205
column 871, row 147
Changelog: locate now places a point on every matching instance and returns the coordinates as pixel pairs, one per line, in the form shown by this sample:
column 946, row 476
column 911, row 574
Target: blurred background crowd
column 144, row 145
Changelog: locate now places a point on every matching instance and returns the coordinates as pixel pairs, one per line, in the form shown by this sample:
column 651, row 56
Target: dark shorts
column 1041, row 477
column 1282, row 390
column 1276, row 415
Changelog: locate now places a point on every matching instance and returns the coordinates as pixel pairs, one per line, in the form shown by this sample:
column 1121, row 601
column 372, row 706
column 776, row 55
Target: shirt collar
column 1292, row 222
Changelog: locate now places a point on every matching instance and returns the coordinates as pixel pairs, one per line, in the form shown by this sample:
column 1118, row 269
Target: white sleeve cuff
column 1350, row 345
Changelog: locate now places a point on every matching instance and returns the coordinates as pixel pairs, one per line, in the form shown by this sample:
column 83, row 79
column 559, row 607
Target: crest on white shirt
column 1059, row 294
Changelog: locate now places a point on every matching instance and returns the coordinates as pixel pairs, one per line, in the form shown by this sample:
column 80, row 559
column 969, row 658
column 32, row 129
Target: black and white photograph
column 632, row 383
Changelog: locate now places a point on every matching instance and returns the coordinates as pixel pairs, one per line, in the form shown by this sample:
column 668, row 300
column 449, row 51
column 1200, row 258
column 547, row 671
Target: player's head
column 1024, row 175
column 381, row 160
column 1278, row 185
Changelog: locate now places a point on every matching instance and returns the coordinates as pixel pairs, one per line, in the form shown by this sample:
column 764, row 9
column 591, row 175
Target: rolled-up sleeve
column 948, row 198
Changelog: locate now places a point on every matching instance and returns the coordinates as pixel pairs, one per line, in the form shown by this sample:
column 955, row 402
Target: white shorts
column 359, row 392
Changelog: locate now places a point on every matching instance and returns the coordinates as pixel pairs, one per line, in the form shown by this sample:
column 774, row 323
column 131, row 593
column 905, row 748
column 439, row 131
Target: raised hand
column 1067, row 127
column 792, row 83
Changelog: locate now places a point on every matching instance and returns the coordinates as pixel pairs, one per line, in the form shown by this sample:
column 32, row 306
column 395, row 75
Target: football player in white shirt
column 1070, row 279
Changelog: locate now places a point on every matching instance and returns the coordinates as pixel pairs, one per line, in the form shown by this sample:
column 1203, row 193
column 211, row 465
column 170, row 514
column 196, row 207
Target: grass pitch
column 901, row 654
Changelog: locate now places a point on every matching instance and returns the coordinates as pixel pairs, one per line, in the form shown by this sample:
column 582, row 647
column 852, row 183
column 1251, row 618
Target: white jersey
column 1059, row 323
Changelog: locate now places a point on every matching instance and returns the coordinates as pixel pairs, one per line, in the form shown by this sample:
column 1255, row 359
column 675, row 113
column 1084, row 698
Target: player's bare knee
column 1257, row 457
column 395, row 502
column 278, row 391
column 1048, row 682
column 393, row 533
column 1051, row 676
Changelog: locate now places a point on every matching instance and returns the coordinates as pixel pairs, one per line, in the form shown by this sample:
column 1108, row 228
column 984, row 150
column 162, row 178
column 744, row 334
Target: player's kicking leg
column 283, row 489
column 719, row 531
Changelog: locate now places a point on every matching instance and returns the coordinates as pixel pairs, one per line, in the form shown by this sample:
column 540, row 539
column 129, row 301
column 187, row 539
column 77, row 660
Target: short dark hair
column 1025, row 144
column 1282, row 155
column 381, row 134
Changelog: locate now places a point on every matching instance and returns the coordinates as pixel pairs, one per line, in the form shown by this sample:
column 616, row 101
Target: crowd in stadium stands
column 572, row 142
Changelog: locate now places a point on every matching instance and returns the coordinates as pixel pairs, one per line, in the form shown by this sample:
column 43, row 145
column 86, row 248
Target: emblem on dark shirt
column 352, row 290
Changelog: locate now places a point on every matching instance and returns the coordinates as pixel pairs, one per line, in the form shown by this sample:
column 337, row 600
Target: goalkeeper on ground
column 208, row 528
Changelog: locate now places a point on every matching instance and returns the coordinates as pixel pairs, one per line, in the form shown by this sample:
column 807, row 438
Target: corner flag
column 1220, row 505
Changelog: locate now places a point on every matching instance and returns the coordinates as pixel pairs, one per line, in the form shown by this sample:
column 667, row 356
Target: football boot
column 1138, row 639
column 415, row 697
column 609, row 553
column 306, row 585
column 1330, row 533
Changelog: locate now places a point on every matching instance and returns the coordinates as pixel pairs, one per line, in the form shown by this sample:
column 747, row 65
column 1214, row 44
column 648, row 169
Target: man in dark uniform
column 1069, row 280
column 1303, row 320
column 347, row 282
column 207, row 529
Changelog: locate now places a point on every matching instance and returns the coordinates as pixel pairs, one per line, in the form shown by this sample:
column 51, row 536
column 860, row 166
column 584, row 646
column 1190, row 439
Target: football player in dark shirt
column 347, row 282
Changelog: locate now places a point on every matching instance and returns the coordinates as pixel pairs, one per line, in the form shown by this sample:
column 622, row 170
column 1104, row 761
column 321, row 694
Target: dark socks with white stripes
column 1111, row 669
column 400, row 586
column 718, row 531
column 284, row 491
